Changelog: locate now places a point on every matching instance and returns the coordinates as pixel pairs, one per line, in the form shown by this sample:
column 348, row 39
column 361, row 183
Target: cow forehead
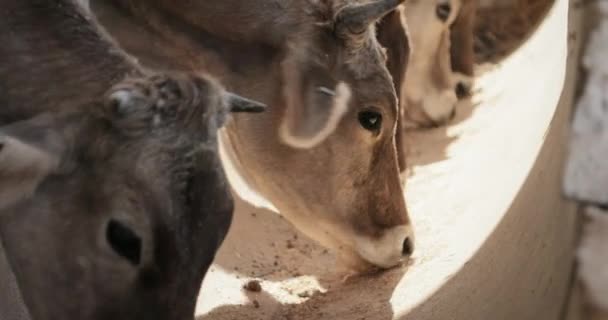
column 368, row 59
column 371, row 79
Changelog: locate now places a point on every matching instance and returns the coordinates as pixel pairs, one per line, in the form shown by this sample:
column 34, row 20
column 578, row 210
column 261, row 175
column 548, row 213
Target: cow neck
column 12, row 306
column 55, row 57
column 163, row 40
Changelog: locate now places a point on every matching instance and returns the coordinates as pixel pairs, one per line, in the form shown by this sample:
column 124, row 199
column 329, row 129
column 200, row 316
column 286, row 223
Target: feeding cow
column 324, row 154
column 116, row 211
column 110, row 208
column 441, row 67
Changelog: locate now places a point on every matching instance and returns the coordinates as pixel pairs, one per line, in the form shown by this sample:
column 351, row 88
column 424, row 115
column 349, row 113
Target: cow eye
column 124, row 241
column 443, row 11
column 370, row 120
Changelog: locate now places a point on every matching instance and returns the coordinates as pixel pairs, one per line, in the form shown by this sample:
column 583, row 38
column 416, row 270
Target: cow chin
column 350, row 263
column 369, row 255
column 362, row 254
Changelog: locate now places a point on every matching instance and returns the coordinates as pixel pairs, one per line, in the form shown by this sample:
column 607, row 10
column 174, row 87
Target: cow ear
column 30, row 150
column 315, row 104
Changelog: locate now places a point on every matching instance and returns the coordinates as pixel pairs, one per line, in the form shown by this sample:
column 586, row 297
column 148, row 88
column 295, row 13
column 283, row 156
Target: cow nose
column 408, row 247
column 462, row 90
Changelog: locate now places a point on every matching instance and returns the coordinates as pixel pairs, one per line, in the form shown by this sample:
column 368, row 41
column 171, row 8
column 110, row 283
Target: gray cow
column 111, row 206
column 116, row 211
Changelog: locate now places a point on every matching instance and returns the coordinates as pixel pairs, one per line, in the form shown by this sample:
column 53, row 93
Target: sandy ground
column 451, row 170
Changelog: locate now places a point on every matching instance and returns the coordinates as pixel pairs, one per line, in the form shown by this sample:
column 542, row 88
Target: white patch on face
column 340, row 106
column 386, row 251
column 439, row 106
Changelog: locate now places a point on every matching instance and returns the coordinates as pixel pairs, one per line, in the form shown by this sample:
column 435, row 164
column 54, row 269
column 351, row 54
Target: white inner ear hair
column 338, row 109
column 22, row 168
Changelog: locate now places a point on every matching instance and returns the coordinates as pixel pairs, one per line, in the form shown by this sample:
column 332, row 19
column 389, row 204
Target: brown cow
column 109, row 208
column 441, row 66
column 324, row 154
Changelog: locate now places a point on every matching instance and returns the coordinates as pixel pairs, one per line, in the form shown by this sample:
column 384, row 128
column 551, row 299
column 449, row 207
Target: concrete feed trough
column 495, row 239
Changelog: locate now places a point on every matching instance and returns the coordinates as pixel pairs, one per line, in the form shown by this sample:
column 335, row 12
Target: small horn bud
column 356, row 18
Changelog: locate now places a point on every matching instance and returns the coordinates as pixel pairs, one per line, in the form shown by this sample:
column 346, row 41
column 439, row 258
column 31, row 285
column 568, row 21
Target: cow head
column 116, row 212
column 339, row 123
column 440, row 69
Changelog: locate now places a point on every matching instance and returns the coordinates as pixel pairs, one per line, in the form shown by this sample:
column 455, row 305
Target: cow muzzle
column 392, row 248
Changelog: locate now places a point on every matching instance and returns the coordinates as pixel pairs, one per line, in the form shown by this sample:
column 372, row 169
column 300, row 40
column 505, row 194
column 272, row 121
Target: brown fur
column 392, row 34
column 499, row 29
column 462, row 39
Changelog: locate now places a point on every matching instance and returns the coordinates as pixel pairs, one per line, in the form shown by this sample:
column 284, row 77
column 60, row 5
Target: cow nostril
column 443, row 11
column 461, row 90
column 408, row 247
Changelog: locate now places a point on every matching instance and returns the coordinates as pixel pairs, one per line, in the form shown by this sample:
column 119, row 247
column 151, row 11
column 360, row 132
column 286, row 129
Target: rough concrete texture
column 593, row 257
column 586, row 176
